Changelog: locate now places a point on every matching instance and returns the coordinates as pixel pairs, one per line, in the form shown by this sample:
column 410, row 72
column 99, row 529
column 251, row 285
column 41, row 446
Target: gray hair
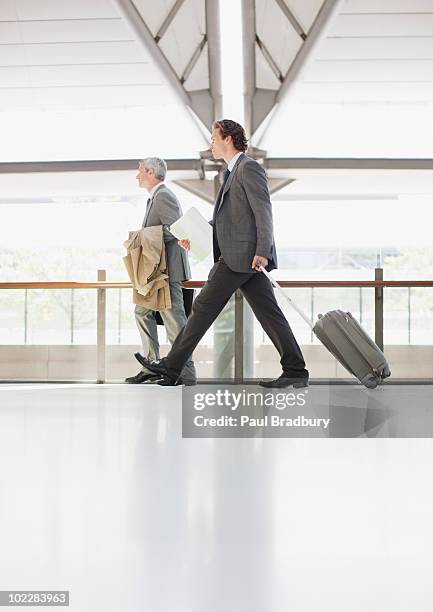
column 156, row 164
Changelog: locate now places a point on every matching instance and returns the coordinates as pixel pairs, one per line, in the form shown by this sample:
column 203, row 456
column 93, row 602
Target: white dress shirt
column 153, row 190
column 233, row 160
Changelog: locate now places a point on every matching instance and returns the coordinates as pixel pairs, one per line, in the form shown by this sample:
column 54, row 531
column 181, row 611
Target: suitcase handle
column 287, row 298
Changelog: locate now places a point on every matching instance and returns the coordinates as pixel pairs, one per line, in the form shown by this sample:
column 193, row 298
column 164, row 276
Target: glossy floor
column 100, row 495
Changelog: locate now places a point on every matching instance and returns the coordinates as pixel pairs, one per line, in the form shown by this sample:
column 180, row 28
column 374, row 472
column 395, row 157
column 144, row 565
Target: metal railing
column 101, row 285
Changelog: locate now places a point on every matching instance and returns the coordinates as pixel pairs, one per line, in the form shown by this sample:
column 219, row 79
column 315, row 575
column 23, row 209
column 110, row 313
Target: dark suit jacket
column 242, row 219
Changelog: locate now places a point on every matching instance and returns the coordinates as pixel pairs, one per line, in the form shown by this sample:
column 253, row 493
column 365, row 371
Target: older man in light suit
column 163, row 208
column 243, row 241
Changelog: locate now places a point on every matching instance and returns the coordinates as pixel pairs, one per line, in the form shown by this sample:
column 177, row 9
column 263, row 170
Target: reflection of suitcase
column 344, row 337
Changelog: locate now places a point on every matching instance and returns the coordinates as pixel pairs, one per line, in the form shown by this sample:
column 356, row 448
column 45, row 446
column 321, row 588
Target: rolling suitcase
column 344, row 337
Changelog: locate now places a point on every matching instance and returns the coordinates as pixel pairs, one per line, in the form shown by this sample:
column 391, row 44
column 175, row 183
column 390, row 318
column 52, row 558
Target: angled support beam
column 167, row 21
column 326, row 14
column 194, row 59
column 290, row 16
column 268, row 57
column 256, row 153
column 133, row 17
column 276, row 184
column 203, row 189
column 259, row 102
column 324, row 18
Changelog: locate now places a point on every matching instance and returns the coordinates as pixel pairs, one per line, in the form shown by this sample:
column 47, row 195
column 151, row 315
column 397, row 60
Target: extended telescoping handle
column 286, row 297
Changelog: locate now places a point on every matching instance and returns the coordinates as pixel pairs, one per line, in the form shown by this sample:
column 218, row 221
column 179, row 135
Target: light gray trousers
column 174, row 319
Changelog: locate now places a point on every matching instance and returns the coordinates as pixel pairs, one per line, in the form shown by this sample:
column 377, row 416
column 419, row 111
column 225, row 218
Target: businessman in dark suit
column 243, row 241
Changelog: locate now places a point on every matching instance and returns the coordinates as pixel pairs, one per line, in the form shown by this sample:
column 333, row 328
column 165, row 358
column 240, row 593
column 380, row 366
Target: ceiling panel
column 68, row 75
column 383, row 25
column 387, row 6
column 71, row 30
column 9, row 32
column 7, row 10
column 59, row 9
column 84, row 97
column 72, row 53
column 376, row 48
column 358, row 93
column 366, row 71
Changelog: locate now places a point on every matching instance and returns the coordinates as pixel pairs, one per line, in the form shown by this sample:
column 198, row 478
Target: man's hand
column 259, row 261
column 185, row 244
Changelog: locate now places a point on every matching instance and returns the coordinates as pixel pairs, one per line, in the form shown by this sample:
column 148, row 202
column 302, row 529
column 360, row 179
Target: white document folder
column 194, row 227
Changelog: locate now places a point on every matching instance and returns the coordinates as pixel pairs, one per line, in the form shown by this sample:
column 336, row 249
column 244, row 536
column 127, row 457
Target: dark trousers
column 258, row 291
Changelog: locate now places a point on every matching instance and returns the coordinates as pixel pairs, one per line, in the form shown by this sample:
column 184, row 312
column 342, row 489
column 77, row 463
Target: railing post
column 119, row 317
column 239, row 337
column 378, row 309
column 100, row 342
column 71, row 320
column 409, row 308
column 26, row 315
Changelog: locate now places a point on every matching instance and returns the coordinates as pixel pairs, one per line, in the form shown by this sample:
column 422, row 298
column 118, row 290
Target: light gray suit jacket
column 242, row 218
column 164, row 210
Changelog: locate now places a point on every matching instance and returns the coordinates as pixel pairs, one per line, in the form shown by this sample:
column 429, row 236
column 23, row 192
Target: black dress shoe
column 170, row 382
column 157, row 366
column 284, row 381
column 189, row 382
column 142, row 377
column 165, row 381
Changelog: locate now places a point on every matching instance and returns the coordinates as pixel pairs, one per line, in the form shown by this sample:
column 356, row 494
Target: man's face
column 144, row 176
column 218, row 144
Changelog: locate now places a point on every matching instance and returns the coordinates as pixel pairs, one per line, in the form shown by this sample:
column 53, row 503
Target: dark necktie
column 147, row 211
column 220, row 195
column 216, row 249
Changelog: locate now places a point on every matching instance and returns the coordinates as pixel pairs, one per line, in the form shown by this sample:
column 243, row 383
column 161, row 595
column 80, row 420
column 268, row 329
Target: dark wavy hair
column 228, row 127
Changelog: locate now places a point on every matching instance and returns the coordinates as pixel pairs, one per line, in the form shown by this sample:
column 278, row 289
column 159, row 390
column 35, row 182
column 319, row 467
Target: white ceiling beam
column 270, row 163
column 95, row 165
